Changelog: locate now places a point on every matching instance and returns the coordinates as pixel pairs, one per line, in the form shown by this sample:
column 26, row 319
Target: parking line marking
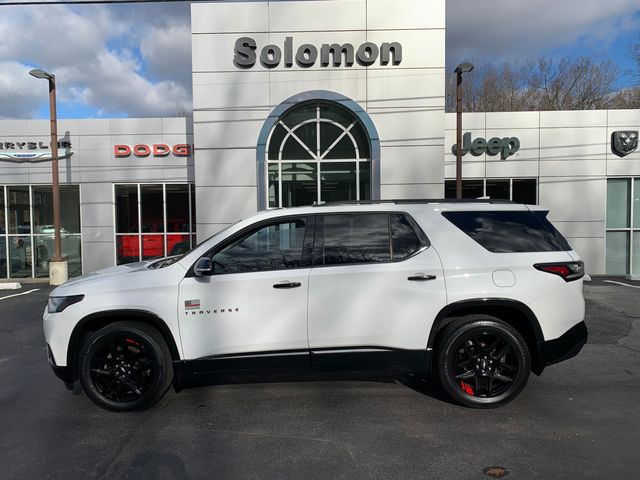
column 620, row 283
column 18, row 294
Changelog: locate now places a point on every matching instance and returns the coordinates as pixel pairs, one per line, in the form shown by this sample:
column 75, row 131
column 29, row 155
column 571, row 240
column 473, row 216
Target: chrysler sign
column 32, row 151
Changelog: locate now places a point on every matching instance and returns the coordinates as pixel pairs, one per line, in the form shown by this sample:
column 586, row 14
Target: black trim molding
column 211, row 369
column 453, row 308
column 564, row 347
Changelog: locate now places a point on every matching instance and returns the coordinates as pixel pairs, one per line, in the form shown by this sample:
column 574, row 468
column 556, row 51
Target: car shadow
column 417, row 383
column 426, row 386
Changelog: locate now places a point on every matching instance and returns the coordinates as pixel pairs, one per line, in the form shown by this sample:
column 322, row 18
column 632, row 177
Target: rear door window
column 354, row 238
column 404, row 240
column 347, row 238
column 509, row 231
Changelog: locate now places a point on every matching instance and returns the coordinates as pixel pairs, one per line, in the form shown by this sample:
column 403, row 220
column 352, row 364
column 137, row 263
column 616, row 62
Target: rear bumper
column 562, row 348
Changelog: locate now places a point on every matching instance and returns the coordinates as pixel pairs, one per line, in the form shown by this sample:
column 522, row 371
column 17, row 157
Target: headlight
column 58, row 304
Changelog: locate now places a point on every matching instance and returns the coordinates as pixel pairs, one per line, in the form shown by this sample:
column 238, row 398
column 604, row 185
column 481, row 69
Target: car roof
column 438, row 205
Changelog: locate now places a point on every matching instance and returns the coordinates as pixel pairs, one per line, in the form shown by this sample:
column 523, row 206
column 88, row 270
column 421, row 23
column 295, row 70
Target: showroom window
column 317, row 152
column 520, row 190
column 623, row 226
column 26, row 230
column 153, row 220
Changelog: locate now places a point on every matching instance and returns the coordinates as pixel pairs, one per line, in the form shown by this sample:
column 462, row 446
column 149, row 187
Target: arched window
column 317, row 152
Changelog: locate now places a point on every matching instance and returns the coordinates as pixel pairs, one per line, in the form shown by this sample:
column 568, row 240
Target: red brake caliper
column 466, row 387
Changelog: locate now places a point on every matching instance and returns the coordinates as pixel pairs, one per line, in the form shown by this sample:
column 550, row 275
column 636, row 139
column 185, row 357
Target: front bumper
column 63, row 373
column 562, row 348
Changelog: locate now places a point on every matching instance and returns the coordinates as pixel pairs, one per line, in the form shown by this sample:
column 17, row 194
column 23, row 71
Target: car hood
column 105, row 277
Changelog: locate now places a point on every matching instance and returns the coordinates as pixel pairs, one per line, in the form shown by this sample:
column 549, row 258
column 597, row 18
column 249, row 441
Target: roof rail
column 401, row 201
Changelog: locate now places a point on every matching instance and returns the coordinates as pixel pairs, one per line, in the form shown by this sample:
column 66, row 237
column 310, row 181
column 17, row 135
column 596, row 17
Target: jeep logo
column 506, row 146
column 306, row 55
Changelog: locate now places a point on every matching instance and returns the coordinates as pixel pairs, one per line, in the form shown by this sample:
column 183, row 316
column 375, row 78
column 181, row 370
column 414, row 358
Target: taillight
column 567, row 270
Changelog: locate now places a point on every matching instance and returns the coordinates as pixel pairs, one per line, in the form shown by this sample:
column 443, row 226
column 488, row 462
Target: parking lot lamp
column 58, row 271
column 460, row 69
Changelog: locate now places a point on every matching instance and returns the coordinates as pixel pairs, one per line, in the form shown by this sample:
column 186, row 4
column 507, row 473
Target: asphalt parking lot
column 580, row 419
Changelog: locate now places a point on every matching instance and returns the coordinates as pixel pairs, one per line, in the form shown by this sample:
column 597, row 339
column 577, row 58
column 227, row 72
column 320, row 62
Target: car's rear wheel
column 482, row 361
column 125, row 366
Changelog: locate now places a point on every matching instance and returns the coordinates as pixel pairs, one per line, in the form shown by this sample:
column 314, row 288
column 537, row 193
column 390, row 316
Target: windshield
column 166, row 261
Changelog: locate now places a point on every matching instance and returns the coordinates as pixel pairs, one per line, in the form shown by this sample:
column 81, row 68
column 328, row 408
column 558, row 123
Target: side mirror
column 203, row 267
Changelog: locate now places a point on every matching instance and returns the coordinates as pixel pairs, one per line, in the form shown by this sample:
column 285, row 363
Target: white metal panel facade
column 95, row 167
column 404, row 101
column 570, row 154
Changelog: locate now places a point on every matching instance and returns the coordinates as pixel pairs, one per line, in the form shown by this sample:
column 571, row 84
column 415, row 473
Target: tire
column 482, row 362
column 125, row 366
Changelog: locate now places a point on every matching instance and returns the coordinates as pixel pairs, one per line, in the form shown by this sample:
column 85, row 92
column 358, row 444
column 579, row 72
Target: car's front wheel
column 125, row 366
column 482, row 361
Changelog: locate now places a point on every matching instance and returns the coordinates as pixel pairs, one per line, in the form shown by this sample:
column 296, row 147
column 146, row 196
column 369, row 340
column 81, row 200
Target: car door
column 375, row 288
column 255, row 303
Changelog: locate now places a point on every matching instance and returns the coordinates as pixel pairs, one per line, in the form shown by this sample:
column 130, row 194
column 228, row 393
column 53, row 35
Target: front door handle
column 287, row 284
column 421, row 277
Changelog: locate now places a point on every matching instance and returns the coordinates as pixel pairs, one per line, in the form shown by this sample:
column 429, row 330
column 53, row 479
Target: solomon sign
column 306, row 55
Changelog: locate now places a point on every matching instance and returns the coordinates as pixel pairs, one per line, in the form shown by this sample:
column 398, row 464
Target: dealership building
column 296, row 102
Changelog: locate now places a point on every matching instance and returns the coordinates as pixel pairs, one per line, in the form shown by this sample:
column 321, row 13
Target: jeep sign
column 506, row 146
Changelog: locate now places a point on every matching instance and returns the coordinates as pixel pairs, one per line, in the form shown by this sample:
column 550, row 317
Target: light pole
column 460, row 69
column 58, row 270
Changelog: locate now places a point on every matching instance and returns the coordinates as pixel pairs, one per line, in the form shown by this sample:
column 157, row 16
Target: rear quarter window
column 509, row 231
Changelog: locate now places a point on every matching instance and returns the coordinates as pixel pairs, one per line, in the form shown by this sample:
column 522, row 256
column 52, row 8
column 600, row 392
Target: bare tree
column 182, row 111
column 546, row 84
column 627, row 98
column 634, row 53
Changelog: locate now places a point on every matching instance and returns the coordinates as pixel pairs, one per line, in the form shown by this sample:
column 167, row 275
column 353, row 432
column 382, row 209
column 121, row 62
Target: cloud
column 120, row 87
column 115, row 60
column 19, row 93
column 135, row 60
column 167, row 51
column 494, row 29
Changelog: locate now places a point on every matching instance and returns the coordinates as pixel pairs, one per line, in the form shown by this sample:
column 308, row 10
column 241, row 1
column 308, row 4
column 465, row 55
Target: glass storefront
column 27, row 233
column 317, row 152
column 623, row 226
column 520, row 190
column 153, row 220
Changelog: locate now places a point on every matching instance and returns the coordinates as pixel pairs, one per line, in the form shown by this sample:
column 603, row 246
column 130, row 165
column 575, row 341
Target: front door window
column 272, row 247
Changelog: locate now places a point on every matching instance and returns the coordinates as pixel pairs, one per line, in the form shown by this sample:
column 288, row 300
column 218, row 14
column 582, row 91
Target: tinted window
column 504, row 232
column 524, row 191
column 355, row 238
column 404, row 240
column 498, row 189
column 126, row 209
column 272, row 247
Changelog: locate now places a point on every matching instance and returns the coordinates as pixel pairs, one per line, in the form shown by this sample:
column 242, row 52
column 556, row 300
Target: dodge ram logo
column 624, row 142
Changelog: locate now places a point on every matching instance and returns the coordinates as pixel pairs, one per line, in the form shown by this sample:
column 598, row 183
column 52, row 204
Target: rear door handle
column 287, row 284
column 421, row 277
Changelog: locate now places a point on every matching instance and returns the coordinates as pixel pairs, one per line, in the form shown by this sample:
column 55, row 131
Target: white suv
column 478, row 293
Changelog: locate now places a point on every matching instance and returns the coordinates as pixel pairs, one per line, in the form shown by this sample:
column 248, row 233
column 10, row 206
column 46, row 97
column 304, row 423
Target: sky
column 135, row 60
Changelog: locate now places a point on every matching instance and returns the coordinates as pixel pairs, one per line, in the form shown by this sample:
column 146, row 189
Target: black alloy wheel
column 482, row 361
column 125, row 366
